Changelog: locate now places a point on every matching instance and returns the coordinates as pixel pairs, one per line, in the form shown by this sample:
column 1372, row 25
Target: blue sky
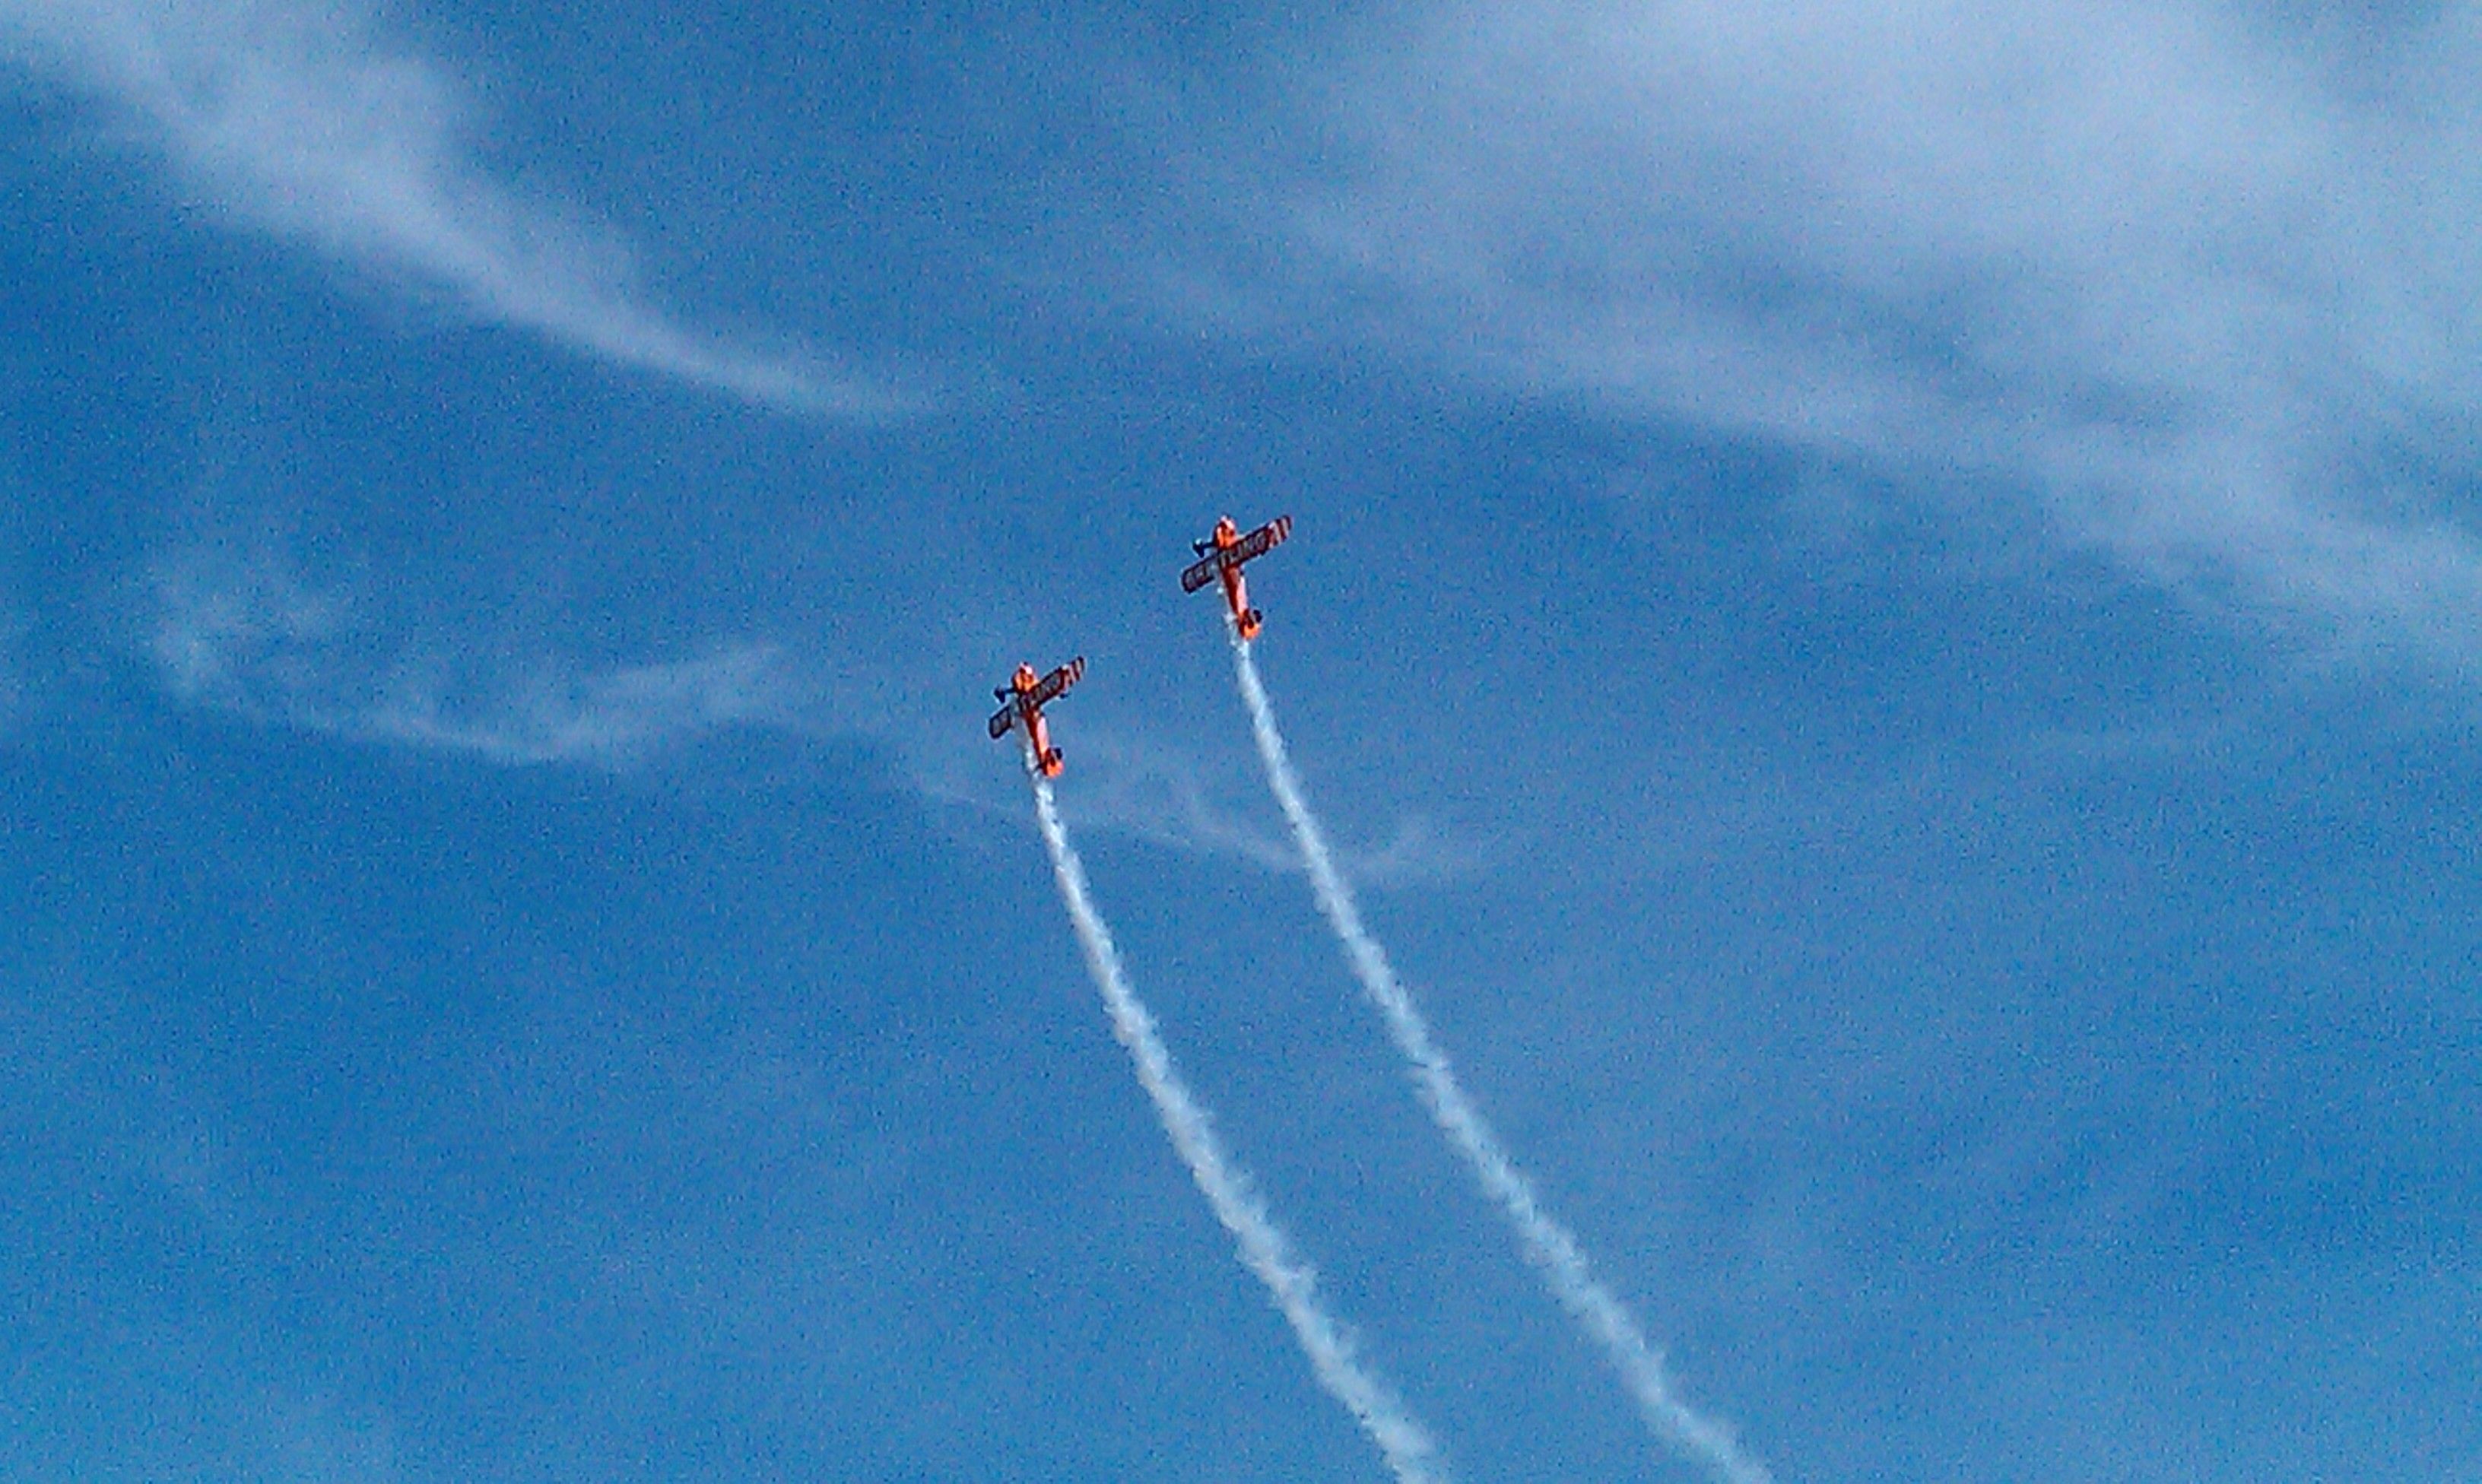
column 1884, row 607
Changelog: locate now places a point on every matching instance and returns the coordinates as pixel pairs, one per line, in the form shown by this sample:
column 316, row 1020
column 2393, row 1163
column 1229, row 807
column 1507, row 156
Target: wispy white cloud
column 296, row 117
column 1143, row 790
column 608, row 716
column 311, row 1440
column 240, row 630
column 2199, row 285
column 1133, row 787
column 243, row 632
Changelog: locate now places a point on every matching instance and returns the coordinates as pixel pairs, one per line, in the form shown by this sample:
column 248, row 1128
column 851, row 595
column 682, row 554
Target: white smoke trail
column 1410, row 1452
column 1548, row 1245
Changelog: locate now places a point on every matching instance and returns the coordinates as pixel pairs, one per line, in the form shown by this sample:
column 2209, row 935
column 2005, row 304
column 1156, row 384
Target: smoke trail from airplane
column 1411, row 1454
column 1547, row 1243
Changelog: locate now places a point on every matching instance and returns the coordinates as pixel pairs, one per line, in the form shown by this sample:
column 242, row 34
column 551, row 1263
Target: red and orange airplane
column 1027, row 696
column 1222, row 554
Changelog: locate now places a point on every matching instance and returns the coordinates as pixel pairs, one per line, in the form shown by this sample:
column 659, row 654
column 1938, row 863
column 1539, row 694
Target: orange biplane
column 1222, row 554
column 1027, row 696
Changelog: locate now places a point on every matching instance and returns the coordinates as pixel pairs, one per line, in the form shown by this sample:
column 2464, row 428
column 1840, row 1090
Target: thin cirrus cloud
column 243, row 632
column 609, row 717
column 296, row 119
column 2198, row 287
column 1129, row 783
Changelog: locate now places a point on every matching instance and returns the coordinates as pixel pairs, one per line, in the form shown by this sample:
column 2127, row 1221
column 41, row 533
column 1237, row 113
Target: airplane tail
column 1048, row 765
column 1250, row 619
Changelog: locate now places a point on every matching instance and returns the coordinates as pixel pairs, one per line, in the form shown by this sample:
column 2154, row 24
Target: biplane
column 1025, row 696
column 1222, row 554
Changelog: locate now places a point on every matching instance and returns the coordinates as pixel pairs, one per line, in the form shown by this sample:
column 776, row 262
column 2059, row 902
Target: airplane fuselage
column 1236, row 589
column 1025, row 696
column 1224, row 553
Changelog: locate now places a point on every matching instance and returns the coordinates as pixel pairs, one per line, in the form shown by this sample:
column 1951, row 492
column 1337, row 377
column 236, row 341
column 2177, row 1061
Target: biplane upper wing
column 1024, row 703
column 1257, row 544
column 1057, row 682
